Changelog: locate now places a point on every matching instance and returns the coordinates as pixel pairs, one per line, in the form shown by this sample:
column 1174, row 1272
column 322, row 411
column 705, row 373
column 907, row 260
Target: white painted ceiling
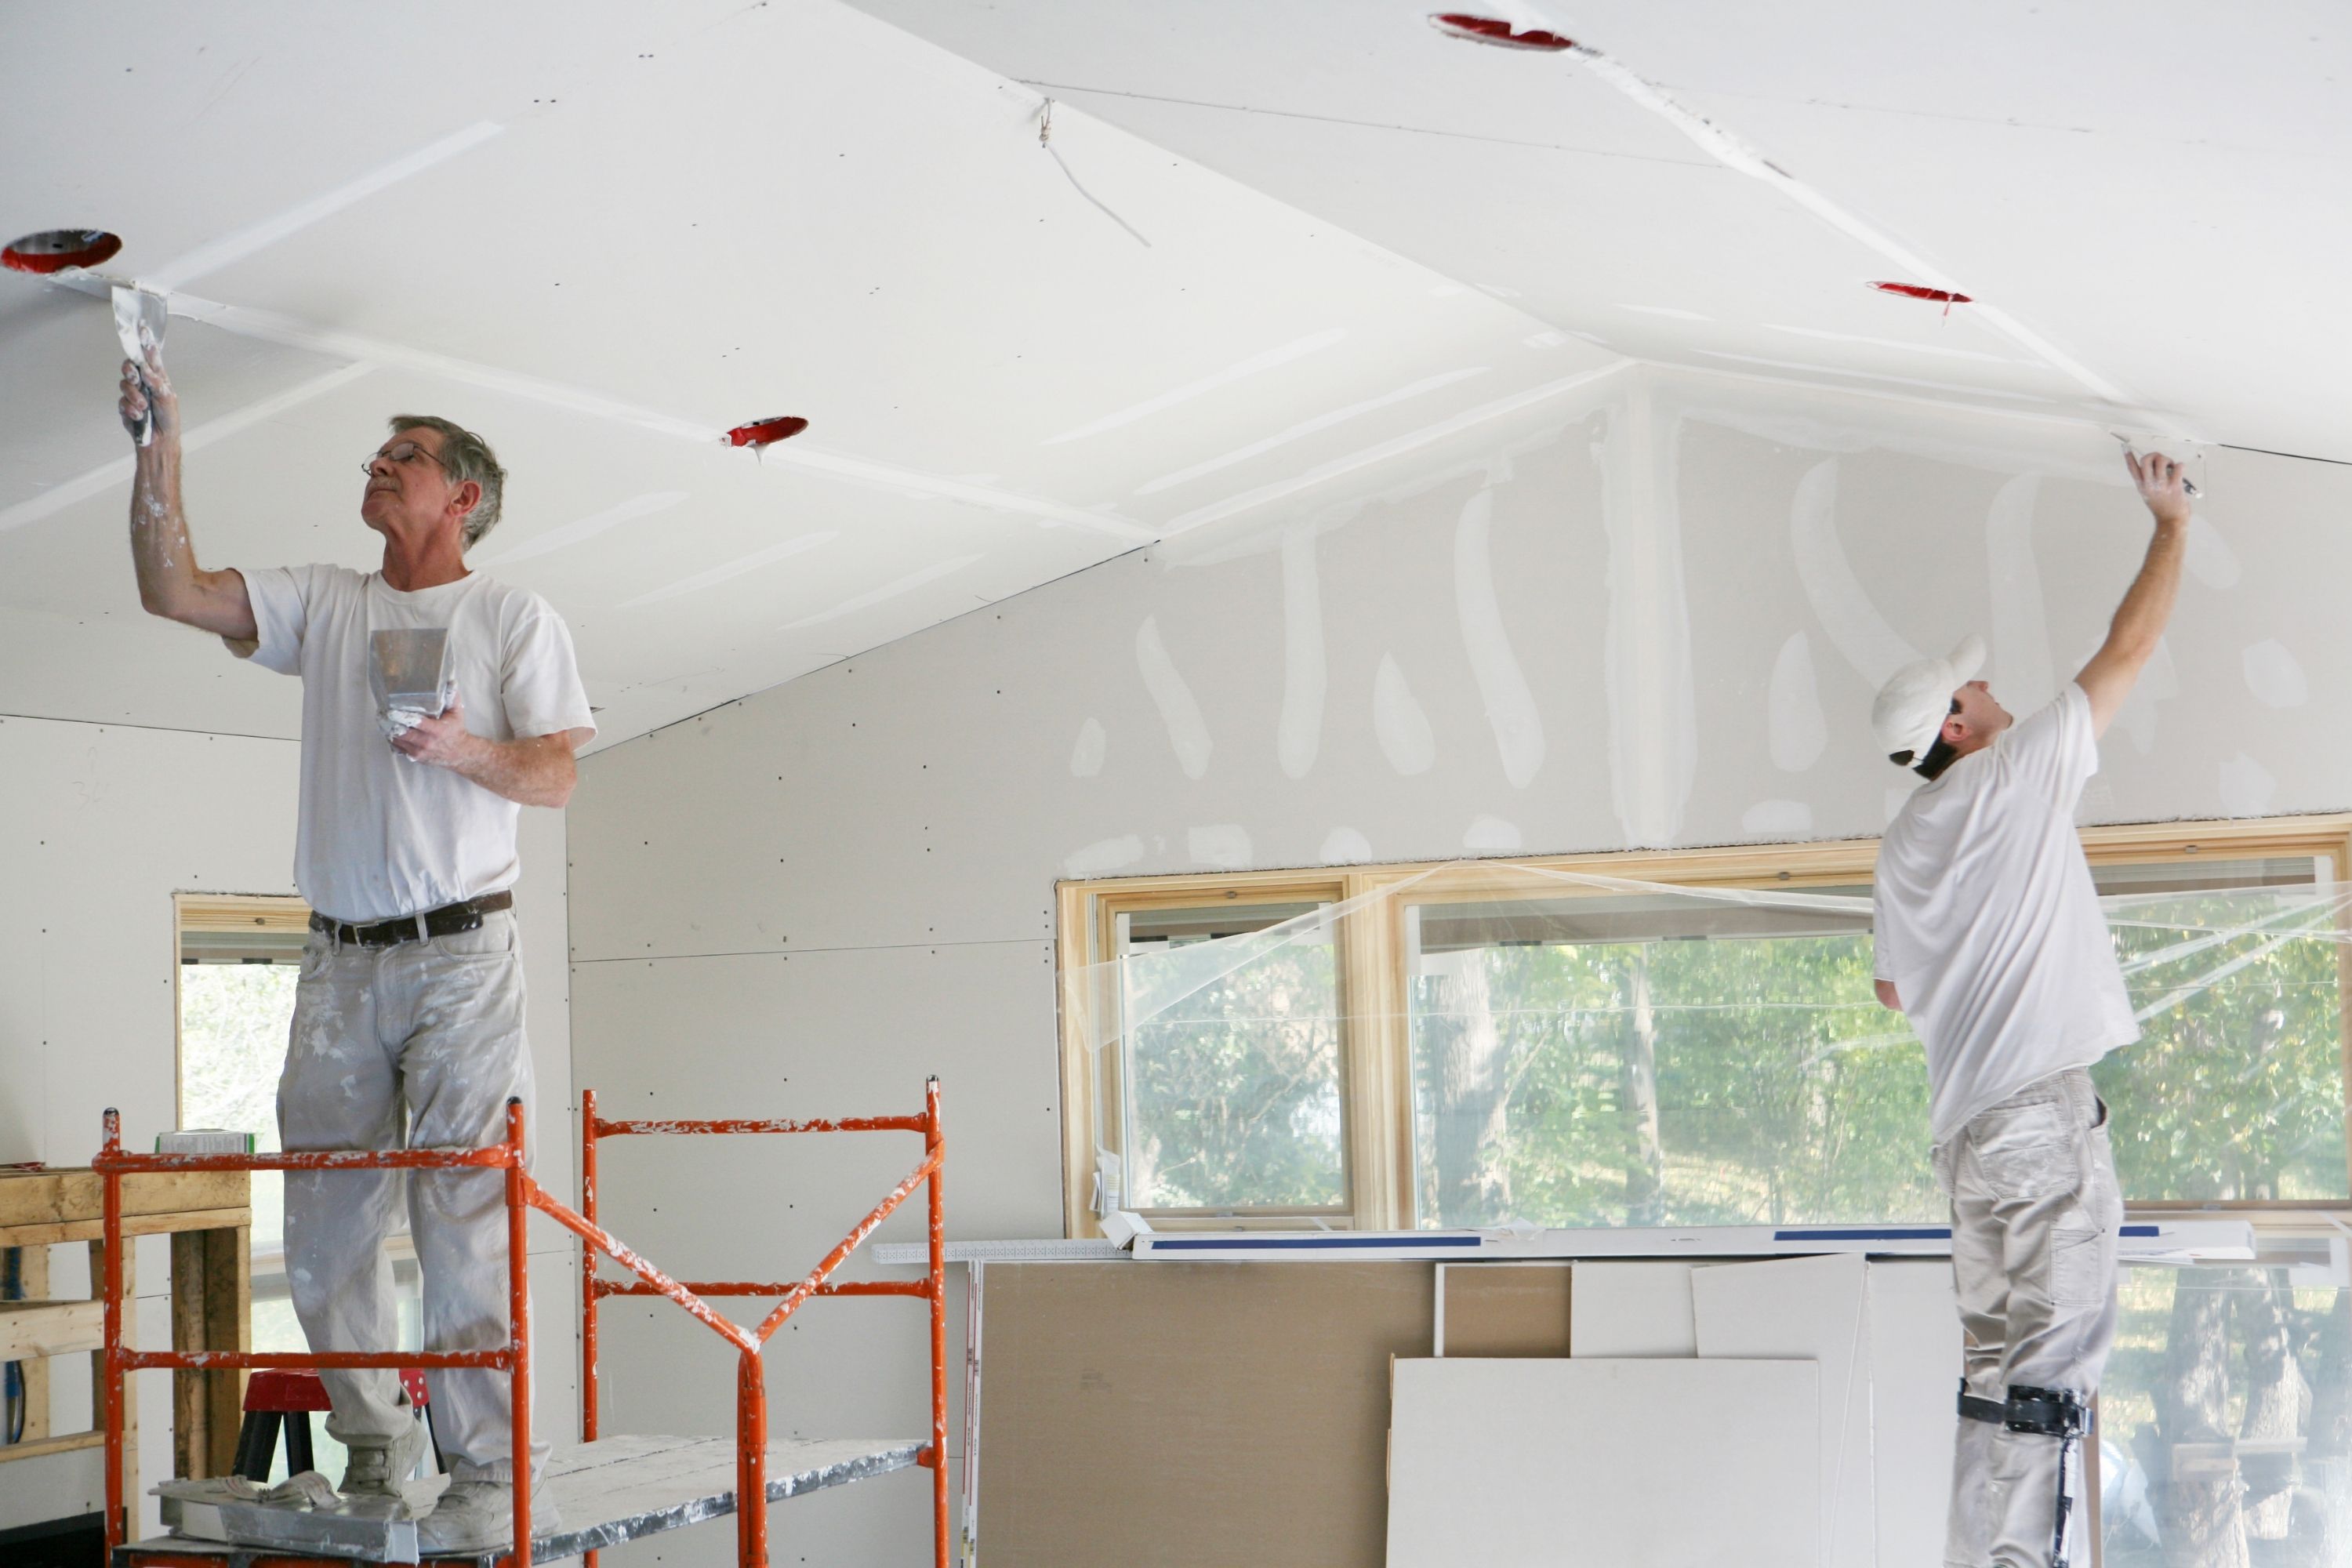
column 1267, row 247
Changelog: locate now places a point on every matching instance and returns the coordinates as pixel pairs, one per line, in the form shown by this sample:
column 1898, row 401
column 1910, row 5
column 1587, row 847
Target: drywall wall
column 1649, row 611
column 100, row 825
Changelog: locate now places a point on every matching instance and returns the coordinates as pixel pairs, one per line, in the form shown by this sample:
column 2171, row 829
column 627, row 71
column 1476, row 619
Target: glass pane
column 2235, row 1090
column 1232, row 1073
column 234, row 1023
column 2226, row 1417
column 1659, row 1059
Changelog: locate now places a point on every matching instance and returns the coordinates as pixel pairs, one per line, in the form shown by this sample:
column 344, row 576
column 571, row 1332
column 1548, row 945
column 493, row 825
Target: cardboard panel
column 1637, row 1309
column 1183, row 1414
column 1505, row 1309
column 1600, row 1464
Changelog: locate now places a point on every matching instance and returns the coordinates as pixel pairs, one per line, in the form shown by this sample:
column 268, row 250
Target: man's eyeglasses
column 401, row 452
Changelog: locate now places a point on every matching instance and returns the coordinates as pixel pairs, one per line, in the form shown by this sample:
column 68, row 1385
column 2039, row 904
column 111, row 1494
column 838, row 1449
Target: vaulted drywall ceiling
column 1267, row 253
column 603, row 236
column 2151, row 193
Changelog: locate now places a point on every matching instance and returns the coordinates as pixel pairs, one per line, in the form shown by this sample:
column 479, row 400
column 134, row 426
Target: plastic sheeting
column 1589, row 1050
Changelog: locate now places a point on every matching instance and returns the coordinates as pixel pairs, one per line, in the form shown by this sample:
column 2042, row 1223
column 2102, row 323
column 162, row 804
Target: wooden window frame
column 1374, row 1068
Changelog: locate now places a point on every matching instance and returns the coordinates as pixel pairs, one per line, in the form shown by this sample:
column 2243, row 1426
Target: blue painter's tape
column 1850, row 1233
column 1308, row 1243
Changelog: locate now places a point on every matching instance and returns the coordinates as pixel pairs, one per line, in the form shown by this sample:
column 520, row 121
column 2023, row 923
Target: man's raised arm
column 171, row 584
column 2141, row 619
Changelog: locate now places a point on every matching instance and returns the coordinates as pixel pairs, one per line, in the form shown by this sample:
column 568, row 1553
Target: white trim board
column 2163, row 1241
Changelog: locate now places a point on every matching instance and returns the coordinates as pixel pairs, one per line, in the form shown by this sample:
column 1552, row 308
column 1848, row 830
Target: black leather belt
column 446, row 921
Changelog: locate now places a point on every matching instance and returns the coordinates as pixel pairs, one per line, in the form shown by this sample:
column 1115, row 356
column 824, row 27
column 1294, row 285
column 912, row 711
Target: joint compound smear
column 1345, row 846
column 2246, row 786
column 2022, row 676
column 1087, row 756
column 1299, row 733
column 1510, row 705
column 1399, row 723
column 1225, row 846
column 2210, row 560
column 1188, row 733
column 2275, row 675
column 2159, row 682
column 1856, row 627
column 1799, row 729
column 1103, row 856
column 1646, row 658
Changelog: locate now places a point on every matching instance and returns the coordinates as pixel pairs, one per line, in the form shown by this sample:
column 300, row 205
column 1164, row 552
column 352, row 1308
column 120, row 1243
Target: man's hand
column 538, row 770
column 1887, row 996
column 146, row 387
column 442, row 740
column 2162, row 485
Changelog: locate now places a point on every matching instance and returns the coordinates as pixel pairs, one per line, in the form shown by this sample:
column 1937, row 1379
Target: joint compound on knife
column 139, row 321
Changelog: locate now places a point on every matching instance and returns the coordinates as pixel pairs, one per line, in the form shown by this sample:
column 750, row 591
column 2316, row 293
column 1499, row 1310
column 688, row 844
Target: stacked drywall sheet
column 1632, row 1310
column 1915, row 1372
column 1882, row 1338
column 1562, row 1463
column 1807, row 1309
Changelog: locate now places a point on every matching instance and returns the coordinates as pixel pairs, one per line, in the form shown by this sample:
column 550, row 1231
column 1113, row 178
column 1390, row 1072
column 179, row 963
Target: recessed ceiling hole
column 1916, row 291
column 55, row 249
column 1495, row 30
column 766, row 432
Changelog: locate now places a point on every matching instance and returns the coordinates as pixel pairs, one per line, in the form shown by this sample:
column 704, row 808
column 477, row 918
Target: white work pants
column 415, row 1045
column 2035, row 1217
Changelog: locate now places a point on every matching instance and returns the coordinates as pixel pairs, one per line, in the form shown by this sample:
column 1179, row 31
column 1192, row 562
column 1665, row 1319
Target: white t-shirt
column 1988, row 925
column 381, row 833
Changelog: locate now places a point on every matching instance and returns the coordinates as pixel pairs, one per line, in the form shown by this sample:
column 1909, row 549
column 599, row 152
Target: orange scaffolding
column 522, row 1195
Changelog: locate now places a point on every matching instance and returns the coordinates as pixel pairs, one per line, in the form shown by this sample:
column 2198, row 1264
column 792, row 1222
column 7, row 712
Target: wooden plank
column 30, row 1329
column 133, row 1225
column 620, row 1489
column 62, row 1196
column 70, row 1441
column 32, row 1280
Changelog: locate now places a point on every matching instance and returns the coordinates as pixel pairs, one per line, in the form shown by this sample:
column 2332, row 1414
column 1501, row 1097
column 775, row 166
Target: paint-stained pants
column 2035, row 1217
column 418, row 1045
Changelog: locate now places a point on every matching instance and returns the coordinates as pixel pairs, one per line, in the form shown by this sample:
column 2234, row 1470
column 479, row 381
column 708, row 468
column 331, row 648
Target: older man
column 1989, row 936
column 408, row 1017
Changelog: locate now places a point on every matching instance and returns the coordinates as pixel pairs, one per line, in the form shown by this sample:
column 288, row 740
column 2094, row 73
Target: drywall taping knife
column 2188, row 485
column 139, row 319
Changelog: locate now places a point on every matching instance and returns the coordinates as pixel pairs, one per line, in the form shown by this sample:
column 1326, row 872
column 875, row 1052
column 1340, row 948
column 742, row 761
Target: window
column 1665, row 1039
column 239, row 958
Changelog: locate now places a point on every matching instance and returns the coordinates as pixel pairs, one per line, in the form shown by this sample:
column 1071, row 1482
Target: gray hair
column 464, row 456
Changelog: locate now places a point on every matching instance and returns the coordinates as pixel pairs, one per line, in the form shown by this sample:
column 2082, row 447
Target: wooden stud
column 32, row 1280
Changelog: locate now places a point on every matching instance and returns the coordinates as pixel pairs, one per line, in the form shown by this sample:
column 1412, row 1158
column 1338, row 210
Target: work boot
column 478, row 1516
column 378, row 1466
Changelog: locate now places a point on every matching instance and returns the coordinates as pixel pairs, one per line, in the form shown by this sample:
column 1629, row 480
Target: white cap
column 1916, row 698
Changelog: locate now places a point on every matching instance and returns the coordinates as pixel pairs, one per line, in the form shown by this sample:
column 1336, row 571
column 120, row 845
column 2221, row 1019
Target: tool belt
column 446, row 921
column 2052, row 1412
